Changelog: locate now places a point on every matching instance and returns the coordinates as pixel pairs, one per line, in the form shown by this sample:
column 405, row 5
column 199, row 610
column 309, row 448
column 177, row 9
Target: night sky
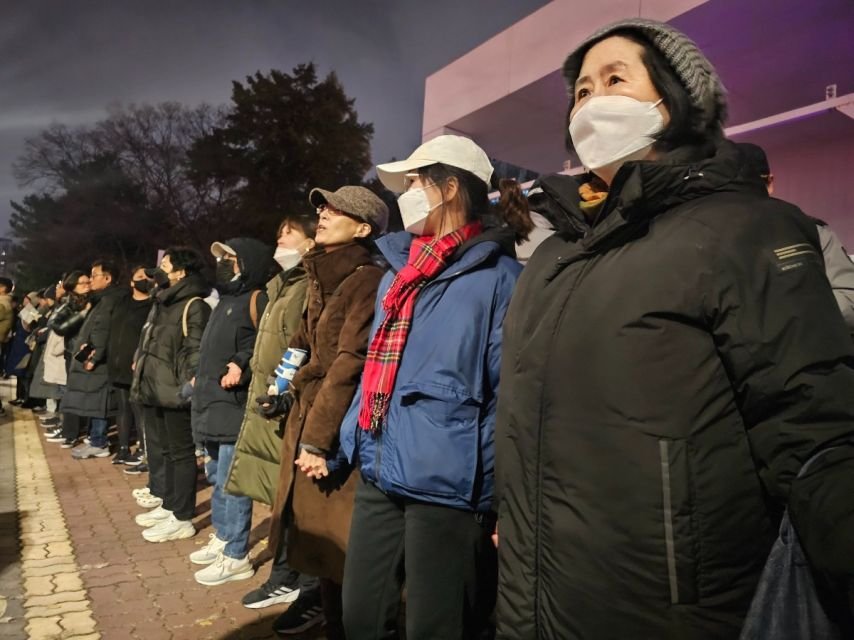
column 66, row 61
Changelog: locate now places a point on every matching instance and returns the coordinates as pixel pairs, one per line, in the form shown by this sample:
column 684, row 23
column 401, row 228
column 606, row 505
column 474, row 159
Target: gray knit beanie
column 693, row 69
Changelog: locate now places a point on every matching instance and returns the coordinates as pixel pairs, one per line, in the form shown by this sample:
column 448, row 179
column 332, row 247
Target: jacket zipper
column 664, row 453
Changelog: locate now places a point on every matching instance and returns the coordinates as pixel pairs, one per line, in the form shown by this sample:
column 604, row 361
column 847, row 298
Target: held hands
column 274, row 406
column 312, row 465
column 231, row 377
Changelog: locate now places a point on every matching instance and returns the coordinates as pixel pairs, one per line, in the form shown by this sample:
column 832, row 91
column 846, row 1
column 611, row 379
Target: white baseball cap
column 455, row 151
column 220, row 249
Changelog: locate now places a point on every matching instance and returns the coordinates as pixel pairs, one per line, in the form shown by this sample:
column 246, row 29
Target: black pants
column 281, row 573
column 445, row 556
column 154, row 453
column 127, row 420
column 169, row 431
column 72, row 425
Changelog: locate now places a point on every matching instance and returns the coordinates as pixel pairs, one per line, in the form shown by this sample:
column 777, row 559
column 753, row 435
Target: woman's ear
column 363, row 230
column 450, row 189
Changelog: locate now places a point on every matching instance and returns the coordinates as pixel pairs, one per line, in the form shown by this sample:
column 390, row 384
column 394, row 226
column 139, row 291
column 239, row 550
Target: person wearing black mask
column 166, row 360
column 219, row 398
column 128, row 320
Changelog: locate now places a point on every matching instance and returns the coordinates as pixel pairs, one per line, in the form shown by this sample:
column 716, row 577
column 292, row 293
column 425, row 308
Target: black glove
column 275, row 406
column 186, row 391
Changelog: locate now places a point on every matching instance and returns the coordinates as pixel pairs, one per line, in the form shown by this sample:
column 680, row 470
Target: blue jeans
column 98, row 432
column 231, row 516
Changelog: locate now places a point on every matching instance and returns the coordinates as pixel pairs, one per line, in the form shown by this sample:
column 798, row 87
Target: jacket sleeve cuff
column 312, row 449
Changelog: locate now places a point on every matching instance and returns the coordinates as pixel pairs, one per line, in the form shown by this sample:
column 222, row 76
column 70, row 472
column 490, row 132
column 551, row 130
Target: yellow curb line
column 56, row 604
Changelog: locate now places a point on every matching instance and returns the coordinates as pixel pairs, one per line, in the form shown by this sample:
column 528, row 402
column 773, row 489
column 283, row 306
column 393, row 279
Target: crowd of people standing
column 598, row 445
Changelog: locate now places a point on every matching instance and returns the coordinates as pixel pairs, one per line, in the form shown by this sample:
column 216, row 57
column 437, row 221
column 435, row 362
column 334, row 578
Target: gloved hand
column 275, row 406
column 186, row 391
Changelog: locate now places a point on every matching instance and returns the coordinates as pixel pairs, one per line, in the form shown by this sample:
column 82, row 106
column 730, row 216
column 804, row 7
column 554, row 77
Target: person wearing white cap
column 421, row 426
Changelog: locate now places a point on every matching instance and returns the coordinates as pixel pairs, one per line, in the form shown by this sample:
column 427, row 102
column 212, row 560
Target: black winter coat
column 166, row 357
column 128, row 319
column 664, row 378
column 230, row 337
column 89, row 393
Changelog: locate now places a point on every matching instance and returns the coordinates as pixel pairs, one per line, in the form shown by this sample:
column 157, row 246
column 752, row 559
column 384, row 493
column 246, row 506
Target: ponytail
column 513, row 209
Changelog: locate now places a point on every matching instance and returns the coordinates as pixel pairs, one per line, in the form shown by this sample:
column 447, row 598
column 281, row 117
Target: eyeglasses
column 332, row 211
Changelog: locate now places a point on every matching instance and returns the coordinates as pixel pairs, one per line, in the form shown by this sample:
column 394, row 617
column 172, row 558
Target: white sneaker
column 210, row 552
column 149, row 501
column 151, row 518
column 142, row 491
column 225, row 569
column 170, row 529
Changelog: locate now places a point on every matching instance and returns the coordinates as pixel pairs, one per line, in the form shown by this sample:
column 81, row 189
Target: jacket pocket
column 434, row 447
column 678, row 516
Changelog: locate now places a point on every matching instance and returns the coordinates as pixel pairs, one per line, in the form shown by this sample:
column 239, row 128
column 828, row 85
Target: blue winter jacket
column 438, row 443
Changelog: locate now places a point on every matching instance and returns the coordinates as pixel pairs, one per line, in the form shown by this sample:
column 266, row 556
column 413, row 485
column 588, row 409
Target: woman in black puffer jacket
column 165, row 365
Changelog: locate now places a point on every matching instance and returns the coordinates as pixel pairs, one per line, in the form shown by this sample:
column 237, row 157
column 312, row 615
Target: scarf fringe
column 373, row 411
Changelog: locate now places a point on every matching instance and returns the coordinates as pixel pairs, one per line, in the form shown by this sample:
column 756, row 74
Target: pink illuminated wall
column 816, row 172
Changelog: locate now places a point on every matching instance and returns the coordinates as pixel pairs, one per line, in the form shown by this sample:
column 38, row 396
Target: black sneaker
column 121, row 456
column 303, row 614
column 68, row 443
column 133, row 459
column 137, row 470
column 39, row 409
column 268, row 594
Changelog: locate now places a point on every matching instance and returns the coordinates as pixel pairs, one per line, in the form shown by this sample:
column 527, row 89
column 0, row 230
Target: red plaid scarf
column 427, row 257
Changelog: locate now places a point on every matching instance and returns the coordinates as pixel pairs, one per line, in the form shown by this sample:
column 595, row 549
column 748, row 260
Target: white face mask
column 287, row 258
column 611, row 130
column 414, row 209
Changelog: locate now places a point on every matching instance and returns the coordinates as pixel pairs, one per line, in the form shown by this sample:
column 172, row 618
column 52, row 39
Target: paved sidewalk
column 12, row 622
column 91, row 574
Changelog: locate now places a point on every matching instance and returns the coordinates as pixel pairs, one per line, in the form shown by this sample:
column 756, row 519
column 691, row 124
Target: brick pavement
column 133, row 588
column 12, row 621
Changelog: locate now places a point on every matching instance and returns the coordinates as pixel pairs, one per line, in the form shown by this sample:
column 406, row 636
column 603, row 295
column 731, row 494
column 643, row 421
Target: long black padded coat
column 665, row 374
column 168, row 356
column 90, row 393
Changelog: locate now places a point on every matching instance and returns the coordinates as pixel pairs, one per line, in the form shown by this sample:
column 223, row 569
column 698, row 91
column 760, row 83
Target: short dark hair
column 136, row 268
column 307, row 223
column 107, row 267
column 184, row 258
column 7, row 283
column 69, row 281
column 755, row 161
column 685, row 126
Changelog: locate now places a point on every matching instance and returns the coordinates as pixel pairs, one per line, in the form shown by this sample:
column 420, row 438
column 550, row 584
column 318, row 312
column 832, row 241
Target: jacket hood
column 192, row 286
column 493, row 240
column 555, row 197
column 255, row 260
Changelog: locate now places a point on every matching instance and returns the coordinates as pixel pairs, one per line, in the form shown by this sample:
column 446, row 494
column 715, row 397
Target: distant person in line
column 837, row 263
